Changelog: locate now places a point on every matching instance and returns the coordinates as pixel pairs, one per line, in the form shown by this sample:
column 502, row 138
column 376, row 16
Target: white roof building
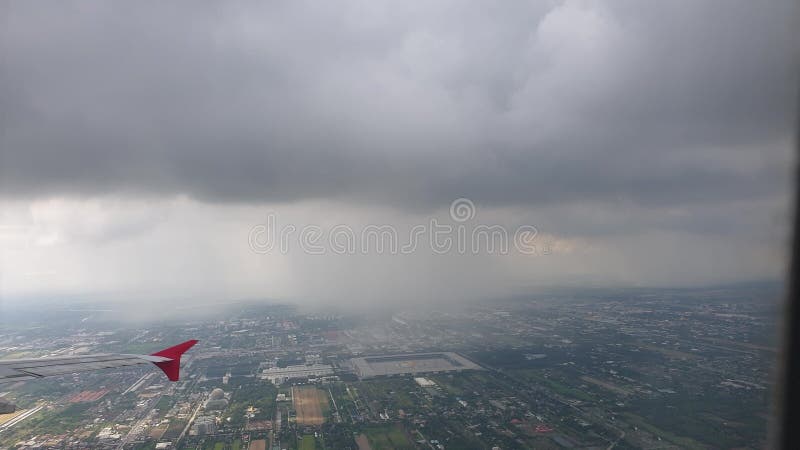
column 278, row 375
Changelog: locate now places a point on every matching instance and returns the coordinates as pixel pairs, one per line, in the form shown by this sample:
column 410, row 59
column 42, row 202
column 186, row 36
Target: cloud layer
column 603, row 122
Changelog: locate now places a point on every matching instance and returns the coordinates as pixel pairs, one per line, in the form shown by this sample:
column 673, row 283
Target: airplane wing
column 168, row 360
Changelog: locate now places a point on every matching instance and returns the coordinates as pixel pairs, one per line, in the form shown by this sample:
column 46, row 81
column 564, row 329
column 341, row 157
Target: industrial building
column 278, row 375
column 387, row 365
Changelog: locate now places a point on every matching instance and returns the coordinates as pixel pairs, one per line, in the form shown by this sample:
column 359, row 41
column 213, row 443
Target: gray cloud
column 511, row 102
column 588, row 119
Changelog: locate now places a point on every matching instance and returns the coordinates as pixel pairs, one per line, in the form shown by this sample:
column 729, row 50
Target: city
column 601, row 368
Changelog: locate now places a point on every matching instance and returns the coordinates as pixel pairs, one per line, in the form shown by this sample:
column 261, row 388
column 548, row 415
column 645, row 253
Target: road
column 20, row 418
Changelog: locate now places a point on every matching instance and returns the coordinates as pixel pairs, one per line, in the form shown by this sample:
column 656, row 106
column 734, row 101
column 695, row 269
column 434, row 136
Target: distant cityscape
column 607, row 369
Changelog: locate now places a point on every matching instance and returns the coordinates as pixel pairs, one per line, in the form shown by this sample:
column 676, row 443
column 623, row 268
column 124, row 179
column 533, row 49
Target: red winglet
column 172, row 367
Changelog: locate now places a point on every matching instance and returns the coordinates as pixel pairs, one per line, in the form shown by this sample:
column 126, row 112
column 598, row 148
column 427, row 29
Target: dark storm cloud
column 661, row 104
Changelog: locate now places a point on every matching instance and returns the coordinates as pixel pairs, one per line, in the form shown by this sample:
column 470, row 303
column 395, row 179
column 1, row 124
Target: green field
column 387, row 437
column 391, row 392
column 164, row 403
column 684, row 442
column 535, row 376
column 307, row 442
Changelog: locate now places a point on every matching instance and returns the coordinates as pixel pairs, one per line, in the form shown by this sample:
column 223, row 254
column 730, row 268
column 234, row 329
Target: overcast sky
column 648, row 143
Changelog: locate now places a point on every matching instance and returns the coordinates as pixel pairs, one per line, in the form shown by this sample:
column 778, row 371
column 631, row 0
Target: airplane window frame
column 787, row 392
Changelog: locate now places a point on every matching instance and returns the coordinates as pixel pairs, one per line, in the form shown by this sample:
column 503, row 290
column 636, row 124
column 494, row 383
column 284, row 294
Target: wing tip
column 171, row 368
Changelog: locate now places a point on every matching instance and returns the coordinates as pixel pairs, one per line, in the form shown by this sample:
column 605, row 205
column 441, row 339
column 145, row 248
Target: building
column 108, row 433
column 278, row 375
column 388, row 365
column 216, row 401
column 424, row 382
column 203, row 425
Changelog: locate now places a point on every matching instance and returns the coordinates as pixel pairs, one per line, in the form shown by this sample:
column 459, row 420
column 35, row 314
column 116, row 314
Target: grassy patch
column 684, row 442
column 387, row 437
column 555, row 386
column 307, row 442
